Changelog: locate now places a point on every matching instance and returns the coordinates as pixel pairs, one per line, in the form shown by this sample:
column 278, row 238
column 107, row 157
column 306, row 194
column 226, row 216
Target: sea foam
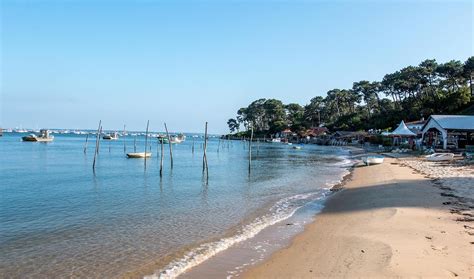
column 283, row 209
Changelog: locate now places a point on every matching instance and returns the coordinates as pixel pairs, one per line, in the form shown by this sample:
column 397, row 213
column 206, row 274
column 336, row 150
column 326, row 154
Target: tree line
column 409, row 94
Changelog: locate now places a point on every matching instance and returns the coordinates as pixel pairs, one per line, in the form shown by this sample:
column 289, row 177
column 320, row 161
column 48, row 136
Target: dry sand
column 389, row 221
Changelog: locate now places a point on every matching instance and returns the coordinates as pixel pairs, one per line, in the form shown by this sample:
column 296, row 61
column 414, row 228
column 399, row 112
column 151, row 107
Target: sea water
column 58, row 218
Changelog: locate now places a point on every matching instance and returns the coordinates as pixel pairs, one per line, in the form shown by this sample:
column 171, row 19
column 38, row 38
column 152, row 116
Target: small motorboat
column 177, row 138
column 163, row 139
column 43, row 136
column 139, row 155
column 436, row 157
column 113, row 136
column 297, row 147
column 373, row 160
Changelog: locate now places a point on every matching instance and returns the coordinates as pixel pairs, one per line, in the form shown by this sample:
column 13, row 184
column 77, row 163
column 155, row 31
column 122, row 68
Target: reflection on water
column 58, row 219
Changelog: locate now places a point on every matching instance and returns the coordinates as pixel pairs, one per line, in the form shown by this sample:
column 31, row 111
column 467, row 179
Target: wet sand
column 389, row 220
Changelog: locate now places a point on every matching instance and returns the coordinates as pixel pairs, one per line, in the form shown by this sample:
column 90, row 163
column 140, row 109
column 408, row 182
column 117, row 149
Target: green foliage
column 413, row 92
column 234, row 125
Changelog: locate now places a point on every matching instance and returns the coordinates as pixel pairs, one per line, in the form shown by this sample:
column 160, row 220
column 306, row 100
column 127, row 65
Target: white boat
column 177, row 139
column 296, row 147
column 373, row 160
column 440, row 157
column 42, row 136
column 113, row 136
column 139, row 155
column 276, row 140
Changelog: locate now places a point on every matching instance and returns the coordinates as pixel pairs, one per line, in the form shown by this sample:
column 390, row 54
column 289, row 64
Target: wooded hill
column 408, row 94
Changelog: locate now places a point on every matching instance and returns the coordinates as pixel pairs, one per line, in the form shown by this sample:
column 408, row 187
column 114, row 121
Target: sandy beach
column 403, row 218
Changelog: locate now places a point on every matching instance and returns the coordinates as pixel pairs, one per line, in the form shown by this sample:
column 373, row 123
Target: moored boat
column 113, row 136
column 42, row 136
column 139, row 155
column 163, row 139
column 435, row 157
column 177, row 138
column 373, row 159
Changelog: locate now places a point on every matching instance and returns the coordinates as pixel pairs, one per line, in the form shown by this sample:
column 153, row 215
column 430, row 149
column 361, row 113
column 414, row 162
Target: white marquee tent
column 402, row 131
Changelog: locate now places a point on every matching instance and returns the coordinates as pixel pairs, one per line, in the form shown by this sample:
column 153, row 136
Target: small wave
column 344, row 161
column 282, row 210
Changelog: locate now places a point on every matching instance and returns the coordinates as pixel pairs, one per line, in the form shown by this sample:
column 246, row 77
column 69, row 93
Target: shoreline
column 279, row 231
column 380, row 222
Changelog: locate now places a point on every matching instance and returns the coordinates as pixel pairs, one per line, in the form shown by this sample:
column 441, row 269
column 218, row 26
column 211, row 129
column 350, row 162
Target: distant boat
column 276, row 140
column 139, row 155
column 42, row 136
column 297, row 147
column 178, row 138
column 163, row 139
column 113, row 136
column 440, row 157
column 373, row 160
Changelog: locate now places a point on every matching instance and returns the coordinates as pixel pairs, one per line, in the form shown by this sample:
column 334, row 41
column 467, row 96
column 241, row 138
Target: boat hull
column 438, row 157
column 33, row 139
column 373, row 160
column 139, row 155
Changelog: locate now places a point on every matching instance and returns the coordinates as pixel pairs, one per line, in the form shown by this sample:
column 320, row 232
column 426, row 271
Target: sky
column 69, row 64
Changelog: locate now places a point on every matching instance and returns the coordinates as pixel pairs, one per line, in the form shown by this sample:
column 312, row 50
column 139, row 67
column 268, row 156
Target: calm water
column 58, row 219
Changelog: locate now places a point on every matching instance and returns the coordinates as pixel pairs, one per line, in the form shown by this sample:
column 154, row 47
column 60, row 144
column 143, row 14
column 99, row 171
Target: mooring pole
column 169, row 143
column 135, row 144
column 124, row 143
column 146, row 140
column 250, row 148
column 162, row 154
column 96, row 145
column 204, row 158
column 85, row 145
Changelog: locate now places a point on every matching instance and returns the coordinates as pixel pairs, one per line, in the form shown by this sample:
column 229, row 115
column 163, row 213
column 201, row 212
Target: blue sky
column 70, row 63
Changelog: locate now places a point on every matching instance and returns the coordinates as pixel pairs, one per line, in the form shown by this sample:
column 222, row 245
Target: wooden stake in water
column 258, row 145
column 193, row 146
column 124, row 144
column 96, row 145
column 146, row 140
column 204, row 158
column 162, row 154
column 169, row 143
column 250, row 148
column 135, row 144
column 85, row 145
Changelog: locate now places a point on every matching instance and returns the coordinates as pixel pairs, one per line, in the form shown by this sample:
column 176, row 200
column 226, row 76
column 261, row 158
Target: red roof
column 316, row 131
